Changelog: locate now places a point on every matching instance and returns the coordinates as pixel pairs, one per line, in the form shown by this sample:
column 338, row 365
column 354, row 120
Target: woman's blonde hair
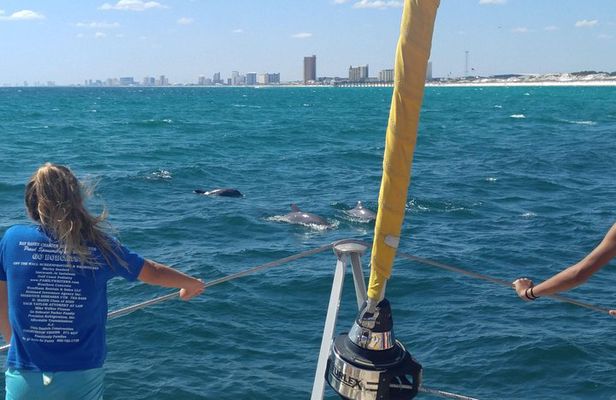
column 54, row 199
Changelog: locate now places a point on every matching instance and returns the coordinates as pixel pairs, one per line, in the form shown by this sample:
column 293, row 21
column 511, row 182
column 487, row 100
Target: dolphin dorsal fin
column 295, row 208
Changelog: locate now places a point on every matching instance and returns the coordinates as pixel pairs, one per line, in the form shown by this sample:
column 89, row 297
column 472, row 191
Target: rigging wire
column 500, row 282
column 128, row 310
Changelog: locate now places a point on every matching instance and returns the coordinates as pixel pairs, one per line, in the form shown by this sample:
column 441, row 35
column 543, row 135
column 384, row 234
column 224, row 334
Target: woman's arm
column 154, row 273
column 576, row 274
column 5, row 325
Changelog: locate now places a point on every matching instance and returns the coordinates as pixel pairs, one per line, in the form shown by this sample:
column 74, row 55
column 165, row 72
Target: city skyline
column 70, row 42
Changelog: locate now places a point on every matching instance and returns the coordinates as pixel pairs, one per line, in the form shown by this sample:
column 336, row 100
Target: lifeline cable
column 501, row 282
column 435, row 392
column 423, row 389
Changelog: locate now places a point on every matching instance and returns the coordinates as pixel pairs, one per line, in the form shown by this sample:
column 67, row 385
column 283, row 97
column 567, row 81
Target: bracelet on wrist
column 533, row 294
column 529, row 296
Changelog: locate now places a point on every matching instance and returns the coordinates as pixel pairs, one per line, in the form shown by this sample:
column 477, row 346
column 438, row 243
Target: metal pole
column 344, row 250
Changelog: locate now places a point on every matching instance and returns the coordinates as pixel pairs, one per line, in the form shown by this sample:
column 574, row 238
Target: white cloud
column 185, row 21
column 382, row 4
column 586, row 23
column 97, row 25
column 550, row 28
column 132, row 5
column 302, row 35
column 521, row 29
column 492, row 2
column 23, row 15
column 100, row 35
column 238, row 30
column 341, row 1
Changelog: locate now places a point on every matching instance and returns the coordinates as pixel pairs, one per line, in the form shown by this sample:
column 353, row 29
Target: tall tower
column 466, row 63
column 310, row 69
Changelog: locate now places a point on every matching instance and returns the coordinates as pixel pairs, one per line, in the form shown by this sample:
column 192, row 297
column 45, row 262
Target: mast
column 412, row 57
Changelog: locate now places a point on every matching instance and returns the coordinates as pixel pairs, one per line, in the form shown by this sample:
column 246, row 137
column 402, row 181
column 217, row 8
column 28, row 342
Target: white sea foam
column 491, row 179
column 529, row 215
column 582, row 122
column 317, row 227
column 498, row 106
column 517, row 116
column 160, row 174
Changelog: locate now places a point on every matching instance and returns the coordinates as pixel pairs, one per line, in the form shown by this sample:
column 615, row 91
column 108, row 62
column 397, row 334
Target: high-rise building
column 235, row 78
column 273, row 78
column 127, row 81
column 358, row 74
column 251, row 78
column 310, row 69
column 201, row 80
column 429, row 71
column 162, row 81
column 216, row 78
column 386, row 75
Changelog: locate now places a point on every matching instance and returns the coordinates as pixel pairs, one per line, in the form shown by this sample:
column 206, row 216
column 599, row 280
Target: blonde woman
column 53, row 291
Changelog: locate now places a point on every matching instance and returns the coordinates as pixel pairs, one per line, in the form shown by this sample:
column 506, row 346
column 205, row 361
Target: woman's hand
column 520, row 286
column 195, row 288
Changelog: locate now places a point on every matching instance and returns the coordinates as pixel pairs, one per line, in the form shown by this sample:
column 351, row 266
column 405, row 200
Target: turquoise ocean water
column 507, row 182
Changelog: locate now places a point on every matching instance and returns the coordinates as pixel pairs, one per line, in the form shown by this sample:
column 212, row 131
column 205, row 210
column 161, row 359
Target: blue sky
column 69, row 41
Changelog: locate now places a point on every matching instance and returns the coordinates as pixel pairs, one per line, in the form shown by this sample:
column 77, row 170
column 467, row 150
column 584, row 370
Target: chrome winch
column 369, row 363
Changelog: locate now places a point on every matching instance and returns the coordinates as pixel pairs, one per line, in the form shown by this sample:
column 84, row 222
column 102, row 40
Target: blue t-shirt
column 57, row 312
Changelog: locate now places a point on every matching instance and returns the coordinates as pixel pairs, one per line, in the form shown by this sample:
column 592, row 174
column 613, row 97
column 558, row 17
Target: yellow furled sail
column 412, row 56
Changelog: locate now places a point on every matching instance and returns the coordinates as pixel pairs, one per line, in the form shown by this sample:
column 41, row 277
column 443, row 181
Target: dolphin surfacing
column 224, row 192
column 361, row 213
column 297, row 216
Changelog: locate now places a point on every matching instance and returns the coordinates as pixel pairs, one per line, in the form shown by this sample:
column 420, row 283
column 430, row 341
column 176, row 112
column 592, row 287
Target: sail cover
column 412, row 56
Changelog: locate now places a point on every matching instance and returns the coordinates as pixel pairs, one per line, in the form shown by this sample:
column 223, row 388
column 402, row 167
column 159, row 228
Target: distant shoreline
column 535, row 83
column 551, row 83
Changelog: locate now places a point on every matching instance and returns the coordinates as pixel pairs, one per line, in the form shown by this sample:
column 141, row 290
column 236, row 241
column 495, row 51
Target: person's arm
column 5, row 325
column 573, row 276
column 154, row 273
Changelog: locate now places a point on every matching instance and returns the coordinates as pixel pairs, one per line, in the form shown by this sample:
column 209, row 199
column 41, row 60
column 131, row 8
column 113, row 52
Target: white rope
column 128, row 310
column 435, row 392
column 501, row 282
column 447, row 395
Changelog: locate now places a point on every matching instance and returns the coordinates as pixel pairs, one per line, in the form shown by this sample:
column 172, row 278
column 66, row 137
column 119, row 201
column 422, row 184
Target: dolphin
column 361, row 213
column 226, row 192
column 297, row 216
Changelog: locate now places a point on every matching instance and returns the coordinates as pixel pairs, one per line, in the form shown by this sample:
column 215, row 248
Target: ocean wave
column 517, row 116
column 317, row 227
column 161, row 174
column 580, row 122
